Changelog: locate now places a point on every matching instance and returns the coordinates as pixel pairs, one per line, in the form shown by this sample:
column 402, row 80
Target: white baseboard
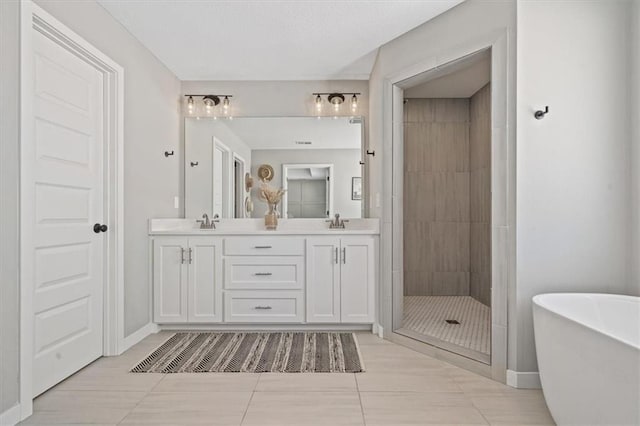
column 524, row 379
column 137, row 336
column 11, row 416
column 379, row 331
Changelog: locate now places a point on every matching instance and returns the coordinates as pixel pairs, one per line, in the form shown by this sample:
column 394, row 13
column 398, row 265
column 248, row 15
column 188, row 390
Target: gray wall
column 9, row 219
column 480, row 195
column 151, row 126
column 573, row 173
column 573, row 168
column 345, row 166
column 634, row 282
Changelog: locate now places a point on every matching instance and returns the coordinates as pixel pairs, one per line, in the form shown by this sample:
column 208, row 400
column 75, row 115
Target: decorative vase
column 271, row 217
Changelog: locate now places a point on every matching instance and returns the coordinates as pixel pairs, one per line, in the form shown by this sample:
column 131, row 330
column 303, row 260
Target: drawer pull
column 263, row 274
column 263, row 308
column 263, row 247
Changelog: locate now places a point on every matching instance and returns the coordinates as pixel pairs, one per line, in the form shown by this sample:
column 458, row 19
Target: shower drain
column 452, row 321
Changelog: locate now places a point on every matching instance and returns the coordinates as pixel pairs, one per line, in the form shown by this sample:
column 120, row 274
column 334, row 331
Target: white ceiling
column 269, row 39
column 284, row 132
column 460, row 80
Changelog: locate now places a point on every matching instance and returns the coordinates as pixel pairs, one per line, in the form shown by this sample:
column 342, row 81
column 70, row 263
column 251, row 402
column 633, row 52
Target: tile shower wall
column 436, row 197
column 480, row 195
column 447, row 197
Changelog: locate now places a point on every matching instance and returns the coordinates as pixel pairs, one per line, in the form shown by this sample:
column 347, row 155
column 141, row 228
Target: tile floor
column 426, row 315
column 400, row 387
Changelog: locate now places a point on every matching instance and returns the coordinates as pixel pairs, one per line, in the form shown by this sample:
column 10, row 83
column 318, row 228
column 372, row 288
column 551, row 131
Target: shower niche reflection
column 446, row 298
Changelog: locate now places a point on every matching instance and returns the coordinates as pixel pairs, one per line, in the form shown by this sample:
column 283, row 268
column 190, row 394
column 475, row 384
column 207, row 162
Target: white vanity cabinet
column 240, row 275
column 187, row 279
column 341, row 279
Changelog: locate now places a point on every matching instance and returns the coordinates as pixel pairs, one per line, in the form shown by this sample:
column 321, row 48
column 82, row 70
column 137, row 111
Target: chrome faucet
column 336, row 222
column 208, row 224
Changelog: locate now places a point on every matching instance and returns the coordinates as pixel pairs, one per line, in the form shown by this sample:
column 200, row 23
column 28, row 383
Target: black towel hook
column 539, row 114
column 168, row 153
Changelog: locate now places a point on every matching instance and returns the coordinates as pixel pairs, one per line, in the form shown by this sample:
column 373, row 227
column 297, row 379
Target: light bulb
column 318, row 103
column 336, row 100
column 225, row 104
column 354, row 103
column 190, row 105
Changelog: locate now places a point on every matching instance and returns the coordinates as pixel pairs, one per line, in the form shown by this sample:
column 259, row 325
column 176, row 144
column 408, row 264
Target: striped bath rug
column 286, row 352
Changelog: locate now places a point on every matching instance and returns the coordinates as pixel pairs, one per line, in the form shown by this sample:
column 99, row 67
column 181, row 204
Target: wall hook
column 539, row 115
column 194, row 164
column 168, row 153
column 371, row 153
column 361, row 163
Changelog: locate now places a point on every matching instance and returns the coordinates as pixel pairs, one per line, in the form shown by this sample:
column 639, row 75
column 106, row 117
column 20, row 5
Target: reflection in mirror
column 314, row 159
column 309, row 190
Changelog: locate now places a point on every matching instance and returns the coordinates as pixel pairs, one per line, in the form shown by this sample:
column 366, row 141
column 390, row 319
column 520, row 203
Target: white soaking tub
column 588, row 348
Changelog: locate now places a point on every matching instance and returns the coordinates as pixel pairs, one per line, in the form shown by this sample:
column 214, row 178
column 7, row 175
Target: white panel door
column 205, row 280
column 68, row 181
column 170, row 279
column 323, row 280
column 357, row 280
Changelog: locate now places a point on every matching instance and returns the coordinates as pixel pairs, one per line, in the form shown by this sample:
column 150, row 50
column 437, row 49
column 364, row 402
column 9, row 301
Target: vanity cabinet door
column 357, row 280
column 323, row 280
column 204, row 260
column 170, row 278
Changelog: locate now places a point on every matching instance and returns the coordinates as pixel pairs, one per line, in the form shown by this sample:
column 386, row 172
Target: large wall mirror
column 317, row 161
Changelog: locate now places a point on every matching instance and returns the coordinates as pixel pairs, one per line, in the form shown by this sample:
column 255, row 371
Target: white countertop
column 256, row 227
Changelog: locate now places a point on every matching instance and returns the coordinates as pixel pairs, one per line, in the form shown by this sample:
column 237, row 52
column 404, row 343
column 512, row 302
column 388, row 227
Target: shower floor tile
column 428, row 315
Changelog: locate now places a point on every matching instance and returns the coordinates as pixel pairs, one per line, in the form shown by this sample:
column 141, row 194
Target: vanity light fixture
column 208, row 105
column 336, row 99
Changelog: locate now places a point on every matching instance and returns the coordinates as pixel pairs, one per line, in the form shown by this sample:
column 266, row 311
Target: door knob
column 97, row 228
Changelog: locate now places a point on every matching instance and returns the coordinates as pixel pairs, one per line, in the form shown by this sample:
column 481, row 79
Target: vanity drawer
column 264, row 272
column 263, row 306
column 264, row 246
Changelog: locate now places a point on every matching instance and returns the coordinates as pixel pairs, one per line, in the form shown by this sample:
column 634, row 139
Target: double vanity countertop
column 256, row 227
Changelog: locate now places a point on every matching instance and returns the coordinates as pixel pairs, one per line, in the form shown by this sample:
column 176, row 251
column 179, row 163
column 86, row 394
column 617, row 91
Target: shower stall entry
column 446, row 294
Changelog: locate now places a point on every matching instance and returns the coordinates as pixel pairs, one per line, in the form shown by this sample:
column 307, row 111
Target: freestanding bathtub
column 588, row 348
